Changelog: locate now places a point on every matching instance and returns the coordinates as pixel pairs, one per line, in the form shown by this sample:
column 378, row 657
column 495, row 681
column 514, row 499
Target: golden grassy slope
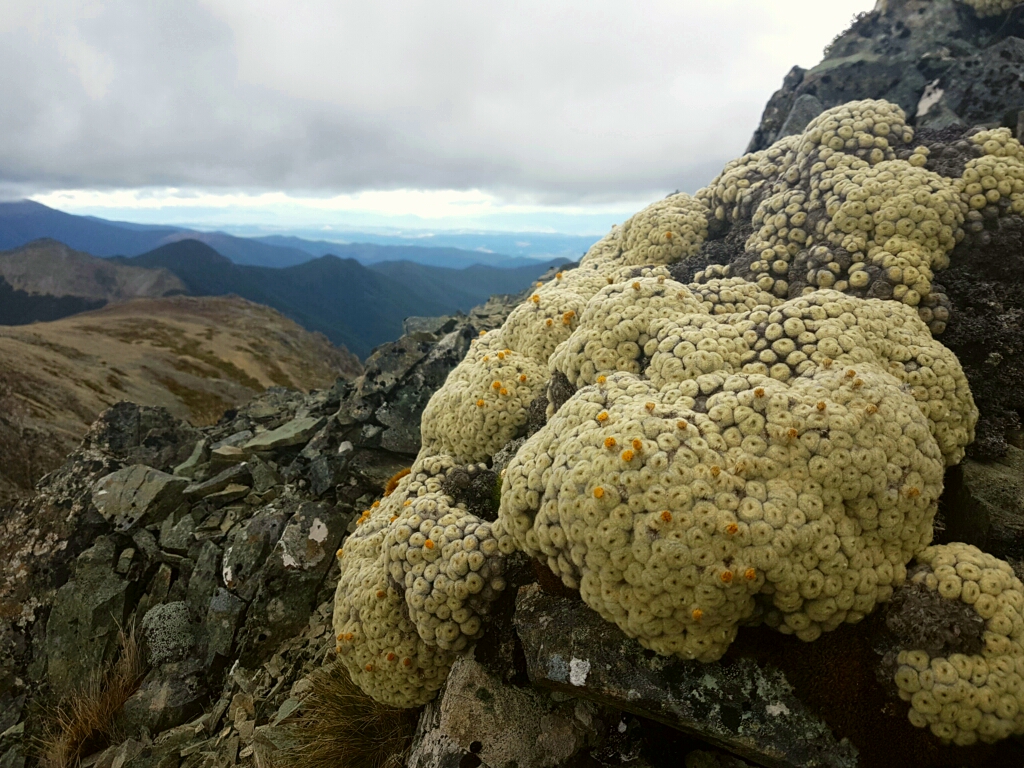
column 196, row 356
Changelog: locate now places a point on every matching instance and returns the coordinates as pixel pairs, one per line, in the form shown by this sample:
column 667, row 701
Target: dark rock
column 388, row 365
column 432, row 327
column 137, row 496
column 204, row 580
column 139, row 434
column 290, row 577
column 249, row 547
column 233, row 492
column 170, row 695
column 295, row 432
column 776, row 111
column 997, row 487
column 200, row 454
column 223, row 619
column 264, row 477
column 178, row 538
column 744, row 707
column 239, row 474
column 234, row 440
column 805, row 108
column 82, row 630
column 501, row 725
column 227, row 456
column 324, row 473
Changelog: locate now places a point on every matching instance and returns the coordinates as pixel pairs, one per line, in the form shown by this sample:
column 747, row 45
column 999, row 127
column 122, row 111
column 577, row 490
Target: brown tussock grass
column 339, row 725
column 86, row 720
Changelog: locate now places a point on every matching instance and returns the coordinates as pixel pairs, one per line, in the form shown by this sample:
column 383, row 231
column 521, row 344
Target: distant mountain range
column 24, row 221
column 353, row 305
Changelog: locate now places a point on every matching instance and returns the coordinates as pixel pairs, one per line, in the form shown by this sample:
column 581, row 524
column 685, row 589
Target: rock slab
column 743, row 707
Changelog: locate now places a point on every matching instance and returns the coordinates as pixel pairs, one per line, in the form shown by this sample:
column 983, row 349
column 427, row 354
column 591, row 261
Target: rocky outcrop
column 935, row 58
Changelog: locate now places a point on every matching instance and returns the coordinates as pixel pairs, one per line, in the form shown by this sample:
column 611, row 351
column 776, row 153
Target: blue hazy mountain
column 24, row 221
column 354, row 305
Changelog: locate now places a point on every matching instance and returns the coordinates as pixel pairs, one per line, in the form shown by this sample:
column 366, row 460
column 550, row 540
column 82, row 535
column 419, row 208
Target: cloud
column 536, row 102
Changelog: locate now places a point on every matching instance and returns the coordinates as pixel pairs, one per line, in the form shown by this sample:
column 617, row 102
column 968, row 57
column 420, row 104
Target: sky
column 533, row 115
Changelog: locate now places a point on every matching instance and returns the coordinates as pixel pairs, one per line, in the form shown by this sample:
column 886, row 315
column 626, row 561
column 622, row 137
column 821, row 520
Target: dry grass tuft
column 86, row 720
column 339, row 725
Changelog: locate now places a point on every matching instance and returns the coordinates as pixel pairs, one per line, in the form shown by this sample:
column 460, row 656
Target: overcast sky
column 315, row 110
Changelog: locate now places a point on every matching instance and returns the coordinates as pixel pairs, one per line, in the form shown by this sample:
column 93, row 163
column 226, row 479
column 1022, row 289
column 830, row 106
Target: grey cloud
column 559, row 102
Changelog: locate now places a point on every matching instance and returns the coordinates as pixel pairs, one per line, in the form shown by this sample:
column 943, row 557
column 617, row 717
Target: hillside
column 47, row 267
column 195, row 356
column 351, row 304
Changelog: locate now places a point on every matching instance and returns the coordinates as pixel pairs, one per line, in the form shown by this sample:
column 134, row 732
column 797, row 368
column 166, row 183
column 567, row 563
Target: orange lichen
column 501, row 355
column 638, row 444
column 375, row 504
column 759, row 392
column 549, row 322
column 872, row 409
column 522, row 378
column 850, row 373
column 391, row 656
column 609, row 442
column 732, row 529
column 535, row 299
column 821, row 405
column 792, row 433
column 668, row 235
column 627, row 455
column 913, row 492
column 826, row 363
column 649, row 406
column 496, row 385
column 368, row 667
column 568, row 316
column 391, row 484
column 407, row 662
column 636, row 286
column 602, row 416
column 750, row 574
column 503, row 391
column 601, row 379
column 666, row 516
column 480, row 403
column 682, row 424
column 429, row 543
column 407, row 503
column 858, row 383
column 697, row 614
column 381, row 593
column 716, row 471
column 598, row 492
column 726, row 577
column 483, row 333
column 340, row 553
column 487, row 358
column 558, row 276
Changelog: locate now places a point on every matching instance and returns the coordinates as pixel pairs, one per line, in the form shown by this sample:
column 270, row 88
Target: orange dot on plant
column 827, row 362
column 726, row 577
column 496, row 385
column 407, row 661
column 716, row 471
column 501, row 355
column 821, row 405
column 649, row 406
column 429, row 543
column 697, row 614
column 636, row 286
column 850, row 373
column 391, row 656
column 792, row 433
column 609, row 442
column 381, row 593
column 480, row 403
column 858, row 383
column 369, row 667
column 602, row 379
column 732, row 529
column 522, row 378
column 637, row 444
column 503, row 391
column 872, row 409
column 681, row 424
column 668, row 235
column 759, row 392
column 598, row 492
column 913, row 492
column 750, row 574
column 666, row 516
column 549, row 322
column 602, row 416
column 535, row 299
column 627, row 455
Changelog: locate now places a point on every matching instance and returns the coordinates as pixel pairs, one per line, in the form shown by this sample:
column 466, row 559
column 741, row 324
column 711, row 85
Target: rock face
column 935, row 58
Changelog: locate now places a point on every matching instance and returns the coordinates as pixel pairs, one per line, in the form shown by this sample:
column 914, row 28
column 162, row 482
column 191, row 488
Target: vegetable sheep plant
column 764, row 440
